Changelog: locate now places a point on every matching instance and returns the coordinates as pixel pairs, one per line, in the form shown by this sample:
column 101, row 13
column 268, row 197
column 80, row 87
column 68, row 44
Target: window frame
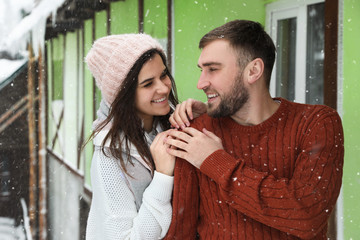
column 285, row 9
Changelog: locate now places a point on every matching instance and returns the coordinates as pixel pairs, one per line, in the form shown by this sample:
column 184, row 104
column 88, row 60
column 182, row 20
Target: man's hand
column 185, row 111
column 192, row 145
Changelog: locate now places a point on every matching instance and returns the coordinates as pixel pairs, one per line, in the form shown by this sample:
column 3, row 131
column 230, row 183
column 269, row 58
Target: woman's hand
column 193, row 145
column 164, row 162
column 186, row 111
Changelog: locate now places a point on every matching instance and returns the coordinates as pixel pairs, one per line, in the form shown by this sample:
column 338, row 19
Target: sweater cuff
column 218, row 163
column 161, row 186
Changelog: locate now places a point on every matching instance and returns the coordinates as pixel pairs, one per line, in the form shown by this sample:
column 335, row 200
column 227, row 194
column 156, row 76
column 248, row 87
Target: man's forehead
column 216, row 53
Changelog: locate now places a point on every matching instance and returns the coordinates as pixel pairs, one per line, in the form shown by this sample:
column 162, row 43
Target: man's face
column 221, row 79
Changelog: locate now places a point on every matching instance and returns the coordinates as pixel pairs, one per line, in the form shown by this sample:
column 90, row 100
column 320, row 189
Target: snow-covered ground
column 8, row 230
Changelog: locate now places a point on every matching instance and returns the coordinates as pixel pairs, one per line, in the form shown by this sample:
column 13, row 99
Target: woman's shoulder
column 99, row 138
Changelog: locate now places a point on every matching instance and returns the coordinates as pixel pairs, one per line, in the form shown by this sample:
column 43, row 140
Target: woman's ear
column 255, row 70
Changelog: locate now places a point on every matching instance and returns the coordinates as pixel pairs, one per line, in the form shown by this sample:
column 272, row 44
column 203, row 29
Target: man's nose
column 202, row 82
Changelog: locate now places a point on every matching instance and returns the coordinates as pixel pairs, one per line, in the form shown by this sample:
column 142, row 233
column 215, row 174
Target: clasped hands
column 190, row 144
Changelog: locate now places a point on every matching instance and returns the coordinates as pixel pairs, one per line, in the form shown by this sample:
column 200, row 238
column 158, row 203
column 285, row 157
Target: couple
column 253, row 167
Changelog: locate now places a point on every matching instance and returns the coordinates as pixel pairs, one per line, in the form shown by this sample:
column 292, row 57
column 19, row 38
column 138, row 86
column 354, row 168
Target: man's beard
column 232, row 102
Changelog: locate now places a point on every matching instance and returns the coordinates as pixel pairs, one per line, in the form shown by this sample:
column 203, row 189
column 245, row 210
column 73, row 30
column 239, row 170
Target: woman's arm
column 114, row 205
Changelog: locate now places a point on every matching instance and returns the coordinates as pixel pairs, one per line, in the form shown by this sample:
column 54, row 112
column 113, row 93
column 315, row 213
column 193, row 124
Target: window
column 298, row 32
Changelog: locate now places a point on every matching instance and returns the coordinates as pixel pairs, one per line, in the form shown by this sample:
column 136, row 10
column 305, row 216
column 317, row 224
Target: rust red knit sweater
column 276, row 180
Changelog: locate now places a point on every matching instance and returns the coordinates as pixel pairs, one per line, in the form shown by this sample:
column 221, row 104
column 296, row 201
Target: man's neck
column 256, row 111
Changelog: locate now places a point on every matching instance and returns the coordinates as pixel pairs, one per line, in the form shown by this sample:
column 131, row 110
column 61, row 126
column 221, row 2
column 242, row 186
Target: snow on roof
column 17, row 31
column 9, row 67
column 35, row 24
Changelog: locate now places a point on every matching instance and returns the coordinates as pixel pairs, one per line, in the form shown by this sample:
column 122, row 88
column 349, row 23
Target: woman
column 131, row 182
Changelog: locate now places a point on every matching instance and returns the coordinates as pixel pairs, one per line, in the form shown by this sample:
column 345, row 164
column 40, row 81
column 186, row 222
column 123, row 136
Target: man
column 253, row 167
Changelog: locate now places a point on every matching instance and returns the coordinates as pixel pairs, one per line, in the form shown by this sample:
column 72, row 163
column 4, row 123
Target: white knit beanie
column 111, row 58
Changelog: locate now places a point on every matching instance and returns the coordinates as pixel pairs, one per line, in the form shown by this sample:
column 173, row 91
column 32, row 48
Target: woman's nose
column 163, row 86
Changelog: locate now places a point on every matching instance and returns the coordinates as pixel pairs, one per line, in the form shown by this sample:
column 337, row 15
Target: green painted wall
column 155, row 18
column 351, row 114
column 58, row 57
column 57, row 88
column 88, row 99
column 100, row 31
column 49, row 73
column 192, row 20
column 124, row 17
column 71, row 83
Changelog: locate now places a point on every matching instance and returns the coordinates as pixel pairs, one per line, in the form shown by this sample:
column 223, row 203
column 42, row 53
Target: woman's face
column 152, row 92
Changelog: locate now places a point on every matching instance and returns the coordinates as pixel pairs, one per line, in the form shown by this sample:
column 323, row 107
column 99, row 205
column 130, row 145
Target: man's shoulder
column 310, row 111
column 316, row 109
column 205, row 121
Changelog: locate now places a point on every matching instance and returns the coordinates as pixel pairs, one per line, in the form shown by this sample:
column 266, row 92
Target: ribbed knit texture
column 111, row 58
column 276, row 180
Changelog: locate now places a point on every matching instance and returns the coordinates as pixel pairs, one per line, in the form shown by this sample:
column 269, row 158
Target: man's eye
column 212, row 69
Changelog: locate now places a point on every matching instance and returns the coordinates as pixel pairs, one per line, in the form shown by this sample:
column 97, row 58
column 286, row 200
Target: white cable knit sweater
column 124, row 207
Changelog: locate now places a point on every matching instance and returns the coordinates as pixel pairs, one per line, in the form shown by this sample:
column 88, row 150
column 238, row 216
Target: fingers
column 173, row 121
column 158, row 138
column 177, row 153
column 175, row 118
column 164, row 162
column 158, row 142
column 191, row 131
column 180, row 139
column 177, row 144
column 182, row 114
column 183, row 136
column 210, row 134
column 188, row 111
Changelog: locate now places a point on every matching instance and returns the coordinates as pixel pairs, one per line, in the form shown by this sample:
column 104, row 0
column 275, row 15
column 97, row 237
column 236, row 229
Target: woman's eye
column 148, row 84
column 163, row 76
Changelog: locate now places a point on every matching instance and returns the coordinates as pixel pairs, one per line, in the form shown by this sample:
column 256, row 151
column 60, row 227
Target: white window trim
column 340, row 77
column 284, row 9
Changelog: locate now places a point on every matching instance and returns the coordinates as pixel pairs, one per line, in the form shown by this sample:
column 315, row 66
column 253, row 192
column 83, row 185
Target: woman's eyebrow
column 146, row 80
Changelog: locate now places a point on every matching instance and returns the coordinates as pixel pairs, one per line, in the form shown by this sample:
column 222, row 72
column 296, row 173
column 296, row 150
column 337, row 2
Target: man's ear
column 255, row 70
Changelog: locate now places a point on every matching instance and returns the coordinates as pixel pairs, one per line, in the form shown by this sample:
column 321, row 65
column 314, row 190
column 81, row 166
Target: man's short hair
column 249, row 40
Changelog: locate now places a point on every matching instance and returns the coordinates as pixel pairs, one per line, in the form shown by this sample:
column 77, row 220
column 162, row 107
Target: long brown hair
column 126, row 125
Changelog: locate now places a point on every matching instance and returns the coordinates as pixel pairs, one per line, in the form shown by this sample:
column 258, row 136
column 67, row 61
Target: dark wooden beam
column 141, row 15
column 63, row 26
column 330, row 77
column 169, row 34
column 331, row 48
column 81, row 14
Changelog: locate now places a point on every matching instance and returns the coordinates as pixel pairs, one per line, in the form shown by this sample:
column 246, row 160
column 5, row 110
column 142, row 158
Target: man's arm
column 185, row 202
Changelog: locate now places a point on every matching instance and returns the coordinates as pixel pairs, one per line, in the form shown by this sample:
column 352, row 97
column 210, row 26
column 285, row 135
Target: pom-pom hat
column 111, row 58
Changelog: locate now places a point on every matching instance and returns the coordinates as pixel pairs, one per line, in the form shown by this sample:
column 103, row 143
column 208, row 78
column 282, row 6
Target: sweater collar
column 279, row 115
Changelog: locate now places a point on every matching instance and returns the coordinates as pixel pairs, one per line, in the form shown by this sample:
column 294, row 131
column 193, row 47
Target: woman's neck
column 148, row 124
